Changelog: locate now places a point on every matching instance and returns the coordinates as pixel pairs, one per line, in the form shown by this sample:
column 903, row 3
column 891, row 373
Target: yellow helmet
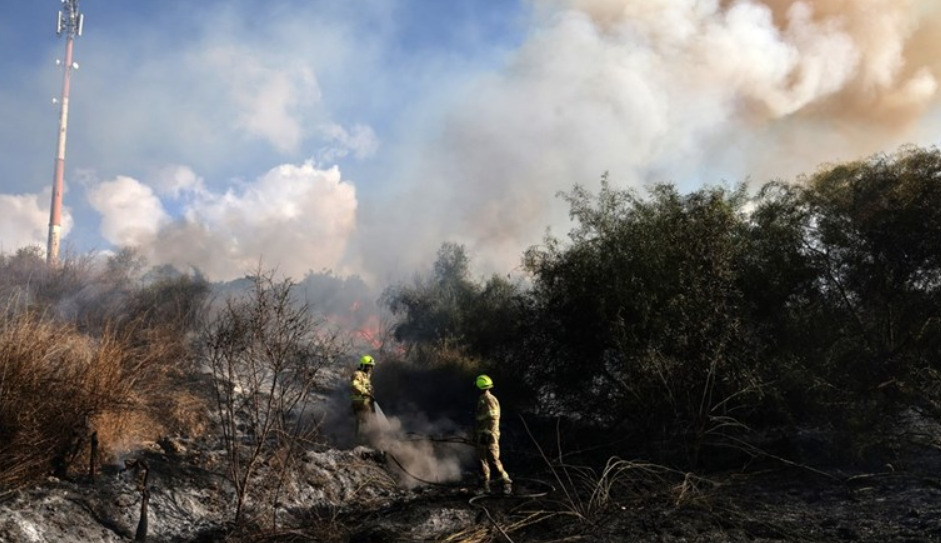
column 366, row 360
column 484, row 382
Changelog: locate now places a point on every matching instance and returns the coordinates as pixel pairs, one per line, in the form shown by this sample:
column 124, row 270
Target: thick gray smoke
column 686, row 91
column 420, row 460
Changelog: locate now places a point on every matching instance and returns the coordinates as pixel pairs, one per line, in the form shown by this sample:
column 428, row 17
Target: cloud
column 295, row 218
column 24, row 220
column 239, row 90
column 469, row 144
column 131, row 213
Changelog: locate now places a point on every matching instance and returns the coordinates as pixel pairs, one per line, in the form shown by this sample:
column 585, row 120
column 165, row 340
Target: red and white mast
column 70, row 23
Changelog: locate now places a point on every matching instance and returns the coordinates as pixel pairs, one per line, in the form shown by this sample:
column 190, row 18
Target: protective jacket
column 487, row 429
column 360, row 387
column 488, row 416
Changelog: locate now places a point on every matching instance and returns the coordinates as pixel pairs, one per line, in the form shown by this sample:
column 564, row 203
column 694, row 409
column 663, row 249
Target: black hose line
column 457, row 439
column 527, row 496
column 413, row 476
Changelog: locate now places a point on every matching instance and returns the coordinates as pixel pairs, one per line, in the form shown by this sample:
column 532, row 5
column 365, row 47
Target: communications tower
column 70, row 24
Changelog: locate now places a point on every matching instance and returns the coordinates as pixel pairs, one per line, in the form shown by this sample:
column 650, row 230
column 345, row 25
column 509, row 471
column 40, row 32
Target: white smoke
column 420, row 459
column 24, row 220
column 683, row 91
column 296, row 218
column 360, row 140
column 267, row 96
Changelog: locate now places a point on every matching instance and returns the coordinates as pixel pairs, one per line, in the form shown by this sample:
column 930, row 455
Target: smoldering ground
column 418, row 427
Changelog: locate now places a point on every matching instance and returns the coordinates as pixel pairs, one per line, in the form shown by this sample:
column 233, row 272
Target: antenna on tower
column 69, row 22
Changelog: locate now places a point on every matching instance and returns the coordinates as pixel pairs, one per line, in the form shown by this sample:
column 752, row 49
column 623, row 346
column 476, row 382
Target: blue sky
column 357, row 136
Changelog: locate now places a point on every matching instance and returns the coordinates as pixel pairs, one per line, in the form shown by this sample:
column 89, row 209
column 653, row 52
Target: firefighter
column 361, row 395
column 487, row 435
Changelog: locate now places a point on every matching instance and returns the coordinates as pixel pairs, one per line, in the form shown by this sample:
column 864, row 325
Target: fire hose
column 461, row 440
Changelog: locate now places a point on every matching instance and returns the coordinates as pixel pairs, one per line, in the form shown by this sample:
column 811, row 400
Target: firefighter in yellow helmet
column 487, row 435
column 361, row 395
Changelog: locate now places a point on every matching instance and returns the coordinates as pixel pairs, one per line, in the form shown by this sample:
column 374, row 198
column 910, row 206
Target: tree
column 875, row 234
column 642, row 315
column 431, row 309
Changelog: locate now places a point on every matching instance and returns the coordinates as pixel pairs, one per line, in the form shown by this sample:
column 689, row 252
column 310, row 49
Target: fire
column 363, row 325
column 370, row 332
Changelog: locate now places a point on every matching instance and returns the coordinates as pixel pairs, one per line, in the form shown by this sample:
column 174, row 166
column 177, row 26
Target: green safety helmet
column 484, row 382
column 366, row 360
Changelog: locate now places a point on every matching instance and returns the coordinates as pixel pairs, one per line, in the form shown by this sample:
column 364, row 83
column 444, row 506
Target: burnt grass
column 343, row 495
column 813, row 495
column 775, row 504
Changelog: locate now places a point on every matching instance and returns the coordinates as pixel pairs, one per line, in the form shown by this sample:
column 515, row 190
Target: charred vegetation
column 679, row 366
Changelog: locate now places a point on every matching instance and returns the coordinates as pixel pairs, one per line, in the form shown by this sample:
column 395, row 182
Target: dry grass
column 484, row 533
column 57, row 385
column 586, row 494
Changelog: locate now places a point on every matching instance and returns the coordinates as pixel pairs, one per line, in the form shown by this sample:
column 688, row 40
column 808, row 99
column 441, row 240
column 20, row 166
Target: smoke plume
column 419, row 459
column 408, row 435
column 685, row 91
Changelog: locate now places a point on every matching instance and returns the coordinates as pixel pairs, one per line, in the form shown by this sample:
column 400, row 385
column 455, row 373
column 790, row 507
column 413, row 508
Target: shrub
column 57, row 385
column 264, row 352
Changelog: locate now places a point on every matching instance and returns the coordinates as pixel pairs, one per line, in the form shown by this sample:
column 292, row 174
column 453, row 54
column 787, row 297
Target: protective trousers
column 488, row 451
column 362, row 417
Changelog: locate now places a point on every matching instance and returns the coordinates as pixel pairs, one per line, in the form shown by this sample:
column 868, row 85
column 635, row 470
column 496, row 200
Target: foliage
column 58, row 385
column 705, row 315
column 874, row 235
column 643, row 311
column 431, row 309
column 449, row 321
column 27, row 283
column 710, row 312
column 87, row 346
